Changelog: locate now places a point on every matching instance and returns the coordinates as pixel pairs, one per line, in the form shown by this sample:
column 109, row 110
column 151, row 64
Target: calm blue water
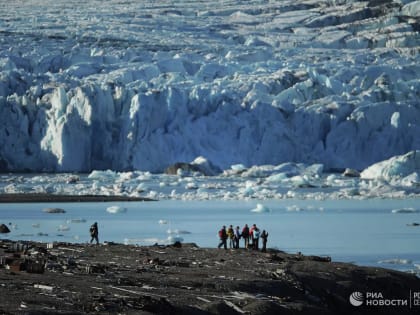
column 364, row 232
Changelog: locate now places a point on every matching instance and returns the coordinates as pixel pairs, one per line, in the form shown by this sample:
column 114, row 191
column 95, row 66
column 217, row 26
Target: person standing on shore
column 94, row 233
column 245, row 235
column 251, row 235
column 223, row 237
column 255, row 237
column 231, row 235
column 264, row 237
column 237, row 237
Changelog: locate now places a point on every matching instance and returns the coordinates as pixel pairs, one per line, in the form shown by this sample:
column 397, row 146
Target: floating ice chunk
column 276, row 178
column 405, row 210
column 300, row 181
column 161, row 222
column 53, row 210
column 238, row 167
column 36, row 225
column 176, row 231
column 63, row 228
column 396, row 167
column 77, row 220
column 116, row 209
column 260, row 208
column 191, row 185
column 294, row 208
column 102, row 175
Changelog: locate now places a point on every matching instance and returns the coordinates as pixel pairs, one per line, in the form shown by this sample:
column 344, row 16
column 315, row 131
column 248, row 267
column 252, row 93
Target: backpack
column 256, row 233
column 221, row 233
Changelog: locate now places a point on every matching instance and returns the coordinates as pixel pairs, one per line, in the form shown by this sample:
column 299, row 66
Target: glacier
column 141, row 85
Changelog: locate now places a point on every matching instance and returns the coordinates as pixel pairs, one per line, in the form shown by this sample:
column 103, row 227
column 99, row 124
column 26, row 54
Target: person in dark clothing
column 94, row 233
column 223, row 237
column 264, row 237
column 237, row 237
column 245, row 235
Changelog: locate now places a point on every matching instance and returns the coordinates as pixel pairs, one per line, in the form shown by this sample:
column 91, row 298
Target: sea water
column 365, row 232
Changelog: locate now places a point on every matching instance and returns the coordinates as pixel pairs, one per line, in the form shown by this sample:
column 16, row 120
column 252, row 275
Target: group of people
column 251, row 237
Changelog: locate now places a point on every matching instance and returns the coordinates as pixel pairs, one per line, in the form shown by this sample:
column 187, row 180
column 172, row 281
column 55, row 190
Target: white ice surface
column 140, row 85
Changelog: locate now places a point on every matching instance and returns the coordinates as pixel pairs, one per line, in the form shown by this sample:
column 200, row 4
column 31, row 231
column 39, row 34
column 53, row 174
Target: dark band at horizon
column 26, row 198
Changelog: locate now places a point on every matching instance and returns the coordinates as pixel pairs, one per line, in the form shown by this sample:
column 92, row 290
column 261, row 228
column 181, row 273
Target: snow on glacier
column 139, row 85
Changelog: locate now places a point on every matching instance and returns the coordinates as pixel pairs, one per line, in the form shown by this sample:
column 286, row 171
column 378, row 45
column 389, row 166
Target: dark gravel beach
column 62, row 278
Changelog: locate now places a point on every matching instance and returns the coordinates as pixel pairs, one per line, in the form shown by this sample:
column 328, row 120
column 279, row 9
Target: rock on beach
column 4, row 228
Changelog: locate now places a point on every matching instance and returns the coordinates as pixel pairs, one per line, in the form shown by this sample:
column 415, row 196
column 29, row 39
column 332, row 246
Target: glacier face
column 141, row 85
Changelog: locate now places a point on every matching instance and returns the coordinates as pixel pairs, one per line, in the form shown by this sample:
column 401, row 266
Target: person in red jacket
column 223, row 237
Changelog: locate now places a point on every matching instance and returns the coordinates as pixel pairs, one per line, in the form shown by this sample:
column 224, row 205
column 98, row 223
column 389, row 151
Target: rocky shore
column 63, row 278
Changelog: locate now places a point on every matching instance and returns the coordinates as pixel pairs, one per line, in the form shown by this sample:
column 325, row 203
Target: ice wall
column 142, row 85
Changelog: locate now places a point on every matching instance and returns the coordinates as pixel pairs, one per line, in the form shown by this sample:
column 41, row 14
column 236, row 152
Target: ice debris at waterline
column 135, row 85
column 283, row 181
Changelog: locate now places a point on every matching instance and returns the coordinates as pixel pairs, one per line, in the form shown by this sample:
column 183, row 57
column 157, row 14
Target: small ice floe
column 176, row 231
column 116, row 209
column 191, row 185
column 162, row 222
column 405, row 210
column 77, row 220
column 294, row 208
column 261, row 209
column 63, row 228
column 395, row 261
column 413, row 224
column 36, row 225
column 53, row 210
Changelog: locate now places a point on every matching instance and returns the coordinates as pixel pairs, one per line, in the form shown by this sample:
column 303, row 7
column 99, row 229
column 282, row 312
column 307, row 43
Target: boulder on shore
column 4, row 228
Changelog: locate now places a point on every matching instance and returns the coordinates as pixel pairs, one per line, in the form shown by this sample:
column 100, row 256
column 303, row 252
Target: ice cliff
column 141, row 85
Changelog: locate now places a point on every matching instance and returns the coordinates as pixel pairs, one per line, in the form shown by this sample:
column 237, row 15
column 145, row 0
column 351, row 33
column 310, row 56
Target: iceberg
column 116, row 209
column 396, row 167
column 260, row 208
